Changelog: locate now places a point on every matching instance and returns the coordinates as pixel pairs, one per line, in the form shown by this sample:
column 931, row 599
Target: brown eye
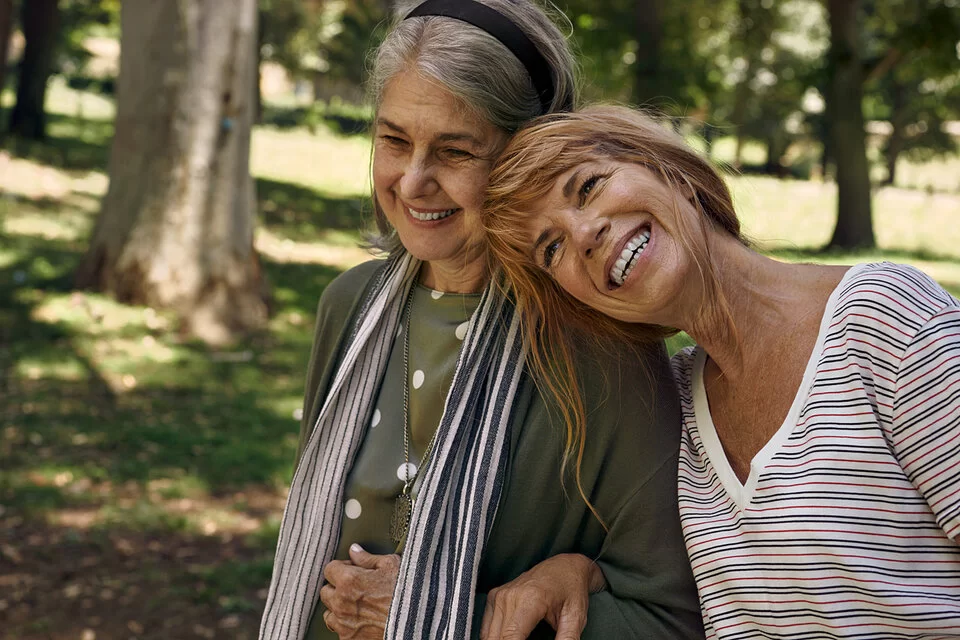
column 587, row 187
column 550, row 252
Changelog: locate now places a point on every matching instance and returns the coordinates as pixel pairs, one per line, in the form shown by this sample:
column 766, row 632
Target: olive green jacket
column 629, row 472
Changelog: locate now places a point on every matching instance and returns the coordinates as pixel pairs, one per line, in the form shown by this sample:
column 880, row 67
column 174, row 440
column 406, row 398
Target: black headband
column 501, row 28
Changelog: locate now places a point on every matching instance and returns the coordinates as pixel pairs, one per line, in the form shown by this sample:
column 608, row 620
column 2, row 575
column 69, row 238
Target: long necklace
column 403, row 506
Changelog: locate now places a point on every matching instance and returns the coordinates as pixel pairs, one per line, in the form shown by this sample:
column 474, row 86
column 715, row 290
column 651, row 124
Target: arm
column 556, row 590
column 639, row 589
column 650, row 591
column 926, row 416
column 629, row 470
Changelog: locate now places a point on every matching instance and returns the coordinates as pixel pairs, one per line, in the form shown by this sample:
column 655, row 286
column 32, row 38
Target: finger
column 335, row 570
column 487, row 615
column 520, row 620
column 360, row 557
column 328, row 620
column 573, row 618
column 326, row 595
column 496, row 619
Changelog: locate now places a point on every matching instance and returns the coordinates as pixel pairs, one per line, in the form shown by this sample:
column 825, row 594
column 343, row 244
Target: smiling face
column 609, row 233
column 432, row 158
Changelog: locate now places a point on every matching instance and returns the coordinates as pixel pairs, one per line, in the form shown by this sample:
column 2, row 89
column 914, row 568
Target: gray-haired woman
column 430, row 469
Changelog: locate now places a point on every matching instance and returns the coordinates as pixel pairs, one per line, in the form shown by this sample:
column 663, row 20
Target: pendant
column 400, row 522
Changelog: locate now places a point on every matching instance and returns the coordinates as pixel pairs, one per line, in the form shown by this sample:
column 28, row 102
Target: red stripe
column 878, row 320
column 910, row 285
column 899, row 512
column 815, row 558
column 905, row 485
column 926, row 373
column 873, row 463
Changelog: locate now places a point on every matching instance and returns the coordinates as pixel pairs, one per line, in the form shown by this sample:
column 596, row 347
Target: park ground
column 142, row 476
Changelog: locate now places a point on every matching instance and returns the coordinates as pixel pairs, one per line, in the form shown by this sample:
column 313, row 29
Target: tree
column 176, row 226
column 847, row 135
column 6, row 28
column 41, row 26
column 913, row 82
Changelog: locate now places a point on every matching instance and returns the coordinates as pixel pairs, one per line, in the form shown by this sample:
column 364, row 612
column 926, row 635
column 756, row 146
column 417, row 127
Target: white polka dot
column 376, row 418
column 406, row 471
column 462, row 330
column 417, row 379
column 436, row 295
column 353, row 509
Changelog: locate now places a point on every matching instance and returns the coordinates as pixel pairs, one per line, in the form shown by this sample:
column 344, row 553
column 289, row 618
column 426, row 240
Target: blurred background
column 180, row 180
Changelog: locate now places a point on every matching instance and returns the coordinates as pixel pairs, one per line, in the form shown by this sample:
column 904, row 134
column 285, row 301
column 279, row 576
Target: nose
column 590, row 234
column 418, row 178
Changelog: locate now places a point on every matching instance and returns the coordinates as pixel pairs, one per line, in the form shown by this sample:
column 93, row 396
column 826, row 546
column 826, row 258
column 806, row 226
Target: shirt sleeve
column 926, row 415
column 650, row 592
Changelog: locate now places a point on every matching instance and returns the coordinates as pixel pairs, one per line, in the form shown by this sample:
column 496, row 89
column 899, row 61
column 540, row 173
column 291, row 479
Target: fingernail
column 356, row 548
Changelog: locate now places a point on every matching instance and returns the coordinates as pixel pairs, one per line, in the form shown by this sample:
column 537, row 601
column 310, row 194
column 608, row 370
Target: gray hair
column 473, row 66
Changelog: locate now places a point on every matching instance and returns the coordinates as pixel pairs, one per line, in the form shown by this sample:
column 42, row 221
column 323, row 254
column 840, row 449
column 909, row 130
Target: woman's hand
column 358, row 594
column 556, row 590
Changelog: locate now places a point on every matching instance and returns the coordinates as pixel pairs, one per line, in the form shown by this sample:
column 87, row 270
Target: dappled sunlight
column 284, row 250
column 790, row 214
column 325, row 161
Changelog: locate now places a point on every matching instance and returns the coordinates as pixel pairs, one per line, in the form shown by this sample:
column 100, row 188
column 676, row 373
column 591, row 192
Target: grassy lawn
column 142, row 476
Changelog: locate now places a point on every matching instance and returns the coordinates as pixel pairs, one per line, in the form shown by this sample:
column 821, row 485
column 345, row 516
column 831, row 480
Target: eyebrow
column 571, row 181
column 455, row 136
column 540, row 240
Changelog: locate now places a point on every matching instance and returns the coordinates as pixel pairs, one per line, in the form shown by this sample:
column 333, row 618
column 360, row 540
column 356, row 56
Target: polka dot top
column 438, row 325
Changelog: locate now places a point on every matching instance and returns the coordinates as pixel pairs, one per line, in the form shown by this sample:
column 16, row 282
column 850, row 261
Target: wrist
column 590, row 571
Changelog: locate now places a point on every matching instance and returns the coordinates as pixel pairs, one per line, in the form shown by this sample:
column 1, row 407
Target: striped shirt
column 847, row 524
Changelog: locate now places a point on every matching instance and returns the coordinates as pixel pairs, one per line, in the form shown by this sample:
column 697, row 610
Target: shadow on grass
column 300, row 213
column 202, row 414
column 73, row 144
column 824, row 255
column 122, row 583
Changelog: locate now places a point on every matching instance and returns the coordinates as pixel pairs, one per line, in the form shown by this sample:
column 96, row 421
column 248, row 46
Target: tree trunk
column 897, row 140
column 776, row 145
column 41, row 25
column 176, row 227
column 648, row 81
column 6, row 28
column 854, row 219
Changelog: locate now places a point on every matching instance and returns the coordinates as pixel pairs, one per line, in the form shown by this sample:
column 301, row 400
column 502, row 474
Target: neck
column 467, row 275
column 767, row 300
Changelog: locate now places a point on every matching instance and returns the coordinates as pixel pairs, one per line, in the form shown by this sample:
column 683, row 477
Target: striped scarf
column 461, row 487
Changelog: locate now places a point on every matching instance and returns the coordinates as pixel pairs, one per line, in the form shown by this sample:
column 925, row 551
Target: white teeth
column 628, row 257
column 425, row 216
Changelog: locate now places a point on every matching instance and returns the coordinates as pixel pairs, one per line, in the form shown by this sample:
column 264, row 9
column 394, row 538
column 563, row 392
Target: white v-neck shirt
column 846, row 524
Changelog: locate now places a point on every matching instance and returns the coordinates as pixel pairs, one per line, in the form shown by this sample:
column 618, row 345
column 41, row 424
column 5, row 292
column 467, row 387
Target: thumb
column 360, row 557
column 572, row 621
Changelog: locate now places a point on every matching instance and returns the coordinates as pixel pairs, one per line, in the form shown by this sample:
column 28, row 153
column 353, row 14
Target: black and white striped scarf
column 461, row 488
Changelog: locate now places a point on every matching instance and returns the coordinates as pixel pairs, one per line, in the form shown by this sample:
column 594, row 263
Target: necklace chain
column 403, row 507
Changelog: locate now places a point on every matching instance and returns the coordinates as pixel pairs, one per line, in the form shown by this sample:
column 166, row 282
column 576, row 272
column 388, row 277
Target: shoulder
column 630, row 399
column 887, row 292
column 350, row 285
column 341, row 297
column 878, row 311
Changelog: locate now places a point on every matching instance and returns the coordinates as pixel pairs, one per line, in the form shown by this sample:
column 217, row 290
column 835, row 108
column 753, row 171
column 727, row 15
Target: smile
column 628, row 257
column 427, row 216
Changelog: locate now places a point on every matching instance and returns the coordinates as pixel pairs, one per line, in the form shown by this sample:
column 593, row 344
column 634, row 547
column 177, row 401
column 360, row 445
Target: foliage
column 81, row 19
column 914, row 80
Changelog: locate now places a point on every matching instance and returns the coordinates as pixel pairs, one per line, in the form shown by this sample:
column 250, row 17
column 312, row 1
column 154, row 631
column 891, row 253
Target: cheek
column 467, row 188
column 384, row 174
